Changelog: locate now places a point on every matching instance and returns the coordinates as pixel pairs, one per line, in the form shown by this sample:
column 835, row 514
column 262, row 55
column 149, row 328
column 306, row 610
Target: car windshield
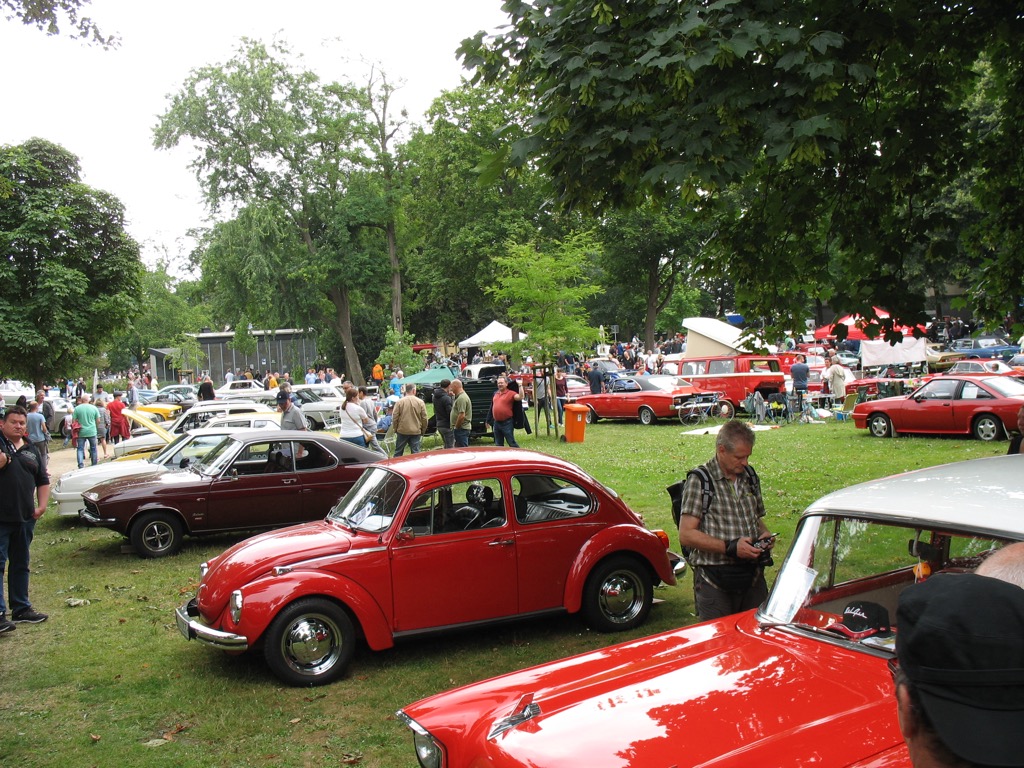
column 666, row 383
column 372, row 503
column 836, row 561
column 307, row 395
column 992, row 341
column 1008, row 386
column 161, row 456
column 218, row 458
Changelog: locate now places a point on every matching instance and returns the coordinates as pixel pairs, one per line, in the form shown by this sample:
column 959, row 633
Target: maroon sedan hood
column 707, row 695
column 247, row 560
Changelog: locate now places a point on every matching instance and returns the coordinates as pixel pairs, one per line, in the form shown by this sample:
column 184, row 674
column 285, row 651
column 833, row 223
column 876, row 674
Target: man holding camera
column 722, row 530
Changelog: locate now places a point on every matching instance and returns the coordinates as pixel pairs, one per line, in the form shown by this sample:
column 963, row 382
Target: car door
column 622, row 399
column 448, row 568
column 930, row 409
column 259, row 488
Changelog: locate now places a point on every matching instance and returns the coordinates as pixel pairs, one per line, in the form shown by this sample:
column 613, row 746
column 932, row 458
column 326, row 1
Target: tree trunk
column 343, row 325
column 652, row 306
column 396, row 277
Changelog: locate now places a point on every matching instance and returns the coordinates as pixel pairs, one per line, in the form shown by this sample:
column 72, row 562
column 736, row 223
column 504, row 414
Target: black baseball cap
column 960, row 642
column 862, row 618
column 282, row 397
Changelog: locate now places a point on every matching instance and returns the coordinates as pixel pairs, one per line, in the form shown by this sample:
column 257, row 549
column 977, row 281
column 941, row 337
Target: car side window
column 465, row 506
column 939, row 390
column 542, row 497
column 722, row 366
column 311, row 456
column 972, row 391
column 253, row 459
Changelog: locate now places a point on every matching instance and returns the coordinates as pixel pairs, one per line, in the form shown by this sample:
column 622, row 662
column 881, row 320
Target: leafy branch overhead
column 827, row 135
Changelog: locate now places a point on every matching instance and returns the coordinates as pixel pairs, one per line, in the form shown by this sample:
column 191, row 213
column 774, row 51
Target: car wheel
column 310, row 642
column 988, row 428
column 310, row 424
column 879, row 425
column 618, row 595
column 156, row 534
column 592, row 417
column 647, row 416
column 724, row 410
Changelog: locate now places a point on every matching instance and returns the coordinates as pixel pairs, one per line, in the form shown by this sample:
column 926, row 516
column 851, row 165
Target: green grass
column 103, row 683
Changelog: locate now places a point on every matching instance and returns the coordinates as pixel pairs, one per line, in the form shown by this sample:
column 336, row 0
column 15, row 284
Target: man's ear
column 905, row 712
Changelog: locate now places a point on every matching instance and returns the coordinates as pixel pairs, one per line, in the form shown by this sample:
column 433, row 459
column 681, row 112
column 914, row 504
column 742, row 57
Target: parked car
column 576, row 386
column 985, row 407
column 195, row 417
column 61, row 408
column 249, row 481
column 983, row 368
column 239, row 385
column 647, row 398
column 166, row 408
column 985, row 346
column 177, row 454
column 794, row 683
column 939, row 358
column 734, row 376
column 514, row 533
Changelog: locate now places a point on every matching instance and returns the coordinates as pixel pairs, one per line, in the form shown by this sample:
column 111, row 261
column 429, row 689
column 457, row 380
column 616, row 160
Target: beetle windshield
column 840, row 563
column 372, row 503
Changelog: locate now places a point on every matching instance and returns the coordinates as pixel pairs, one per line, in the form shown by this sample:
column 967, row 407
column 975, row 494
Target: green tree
column 542, row 288
column 291, row 154
column 69, row 272
column 842, row 126
column 456, row 221
column 398, row 354
column 50, row 15
column 163, row 313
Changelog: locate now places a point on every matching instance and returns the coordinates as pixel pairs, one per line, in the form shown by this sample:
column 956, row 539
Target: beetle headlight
column 203, row 568
column 235, row 605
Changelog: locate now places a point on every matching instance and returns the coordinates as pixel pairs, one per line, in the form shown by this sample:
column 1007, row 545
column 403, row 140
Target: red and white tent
column 855, row 325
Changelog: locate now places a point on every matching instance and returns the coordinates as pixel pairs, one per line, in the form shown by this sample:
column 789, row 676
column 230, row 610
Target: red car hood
column 246, row 560
column 717, row 694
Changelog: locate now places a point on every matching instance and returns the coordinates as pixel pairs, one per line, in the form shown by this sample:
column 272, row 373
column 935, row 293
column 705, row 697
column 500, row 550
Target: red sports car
column 647, row 398
column 985, row 407
column 437, row 540
column 801, row 681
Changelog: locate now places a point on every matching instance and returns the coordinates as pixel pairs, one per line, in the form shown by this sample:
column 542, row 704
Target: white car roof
column 983, row 495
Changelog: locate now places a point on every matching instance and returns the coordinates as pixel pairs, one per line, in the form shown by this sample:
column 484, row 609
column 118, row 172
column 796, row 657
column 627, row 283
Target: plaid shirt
column 736, row 510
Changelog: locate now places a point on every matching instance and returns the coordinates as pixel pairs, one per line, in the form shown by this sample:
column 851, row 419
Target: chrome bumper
column 196, row 630
column 90, row 519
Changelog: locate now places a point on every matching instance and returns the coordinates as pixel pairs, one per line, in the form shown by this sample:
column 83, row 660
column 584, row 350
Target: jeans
column 505, row 431
column 559, row 405
column 413, row 441
column 448, row 436
column 93, row 455
column 357, row 440
column 15, row 539
column 461, row 438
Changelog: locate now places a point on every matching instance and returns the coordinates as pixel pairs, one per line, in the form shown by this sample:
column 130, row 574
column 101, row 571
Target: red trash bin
column 575, row 422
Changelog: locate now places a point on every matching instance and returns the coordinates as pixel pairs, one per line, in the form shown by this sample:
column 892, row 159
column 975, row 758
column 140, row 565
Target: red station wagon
column 498, row 534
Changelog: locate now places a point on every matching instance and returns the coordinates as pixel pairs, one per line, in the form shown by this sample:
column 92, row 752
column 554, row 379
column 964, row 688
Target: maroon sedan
column 251, row 480
column 985, row 407
column 647, row 398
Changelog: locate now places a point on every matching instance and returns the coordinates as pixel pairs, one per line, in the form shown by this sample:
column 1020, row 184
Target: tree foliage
column 69, row 272
column 290, row 156
column 838, row 129
column 50, row 15
column 542, row 288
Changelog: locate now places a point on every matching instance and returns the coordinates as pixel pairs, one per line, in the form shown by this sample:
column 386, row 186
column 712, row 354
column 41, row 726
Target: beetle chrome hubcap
column 620, row 597
column 312, row 645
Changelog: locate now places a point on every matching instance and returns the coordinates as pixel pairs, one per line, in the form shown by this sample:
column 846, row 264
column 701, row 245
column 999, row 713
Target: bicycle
column 700, row 408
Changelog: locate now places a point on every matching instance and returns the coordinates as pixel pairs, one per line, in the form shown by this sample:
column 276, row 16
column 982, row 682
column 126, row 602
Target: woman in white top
column 352, row 415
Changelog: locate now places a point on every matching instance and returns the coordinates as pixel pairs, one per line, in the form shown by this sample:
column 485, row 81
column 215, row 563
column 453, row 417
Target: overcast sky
column 102, row 105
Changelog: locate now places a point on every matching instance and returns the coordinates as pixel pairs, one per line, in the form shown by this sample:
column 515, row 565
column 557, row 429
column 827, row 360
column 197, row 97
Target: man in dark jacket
column 442, row 400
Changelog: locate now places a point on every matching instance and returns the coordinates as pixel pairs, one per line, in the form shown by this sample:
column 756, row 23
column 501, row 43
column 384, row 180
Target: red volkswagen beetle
column 437, row 540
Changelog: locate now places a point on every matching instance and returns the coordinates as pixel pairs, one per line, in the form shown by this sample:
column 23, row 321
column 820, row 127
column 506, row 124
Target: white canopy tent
column 910, row 350
column 495, row 333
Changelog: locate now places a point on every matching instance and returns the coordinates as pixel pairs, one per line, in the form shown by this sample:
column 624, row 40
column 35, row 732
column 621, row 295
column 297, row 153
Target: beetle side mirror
column 406, row 534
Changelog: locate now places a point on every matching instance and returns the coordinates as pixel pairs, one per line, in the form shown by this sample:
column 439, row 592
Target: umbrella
column 429, row 376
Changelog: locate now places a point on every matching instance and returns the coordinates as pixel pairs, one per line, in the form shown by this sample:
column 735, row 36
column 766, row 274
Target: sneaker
column 28, row 616
column 5, row 625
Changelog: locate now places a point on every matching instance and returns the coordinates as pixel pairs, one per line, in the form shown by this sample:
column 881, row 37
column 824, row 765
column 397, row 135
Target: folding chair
column 846, row 412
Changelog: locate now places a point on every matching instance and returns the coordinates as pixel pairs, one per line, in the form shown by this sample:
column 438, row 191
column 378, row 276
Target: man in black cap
column 291, row 416
column 960, row 682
